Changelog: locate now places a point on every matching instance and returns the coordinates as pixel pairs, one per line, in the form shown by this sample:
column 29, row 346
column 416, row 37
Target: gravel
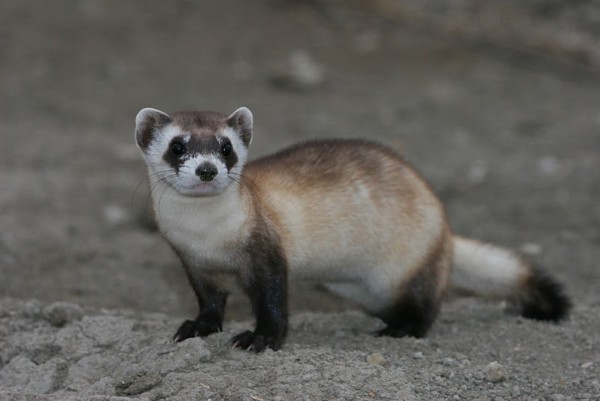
column 90, row 294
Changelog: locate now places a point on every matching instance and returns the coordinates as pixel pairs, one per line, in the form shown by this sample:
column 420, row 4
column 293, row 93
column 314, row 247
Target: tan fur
column 350, row 214
column 355, row 214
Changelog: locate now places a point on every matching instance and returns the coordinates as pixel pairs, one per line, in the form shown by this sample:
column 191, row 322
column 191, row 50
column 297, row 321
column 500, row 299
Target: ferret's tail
column 495, row 272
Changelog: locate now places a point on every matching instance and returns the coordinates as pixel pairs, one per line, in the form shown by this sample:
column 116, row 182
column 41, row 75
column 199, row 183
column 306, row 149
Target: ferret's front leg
column 211, row 300
column 266, row 285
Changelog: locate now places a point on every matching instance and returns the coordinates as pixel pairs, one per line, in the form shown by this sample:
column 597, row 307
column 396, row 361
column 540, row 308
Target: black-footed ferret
column 347, row 213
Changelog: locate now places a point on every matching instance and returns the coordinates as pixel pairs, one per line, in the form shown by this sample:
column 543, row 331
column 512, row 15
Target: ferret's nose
column 206, row 171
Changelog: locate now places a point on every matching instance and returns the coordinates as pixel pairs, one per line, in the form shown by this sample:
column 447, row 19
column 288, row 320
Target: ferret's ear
column 147, row 122
column 241, row 121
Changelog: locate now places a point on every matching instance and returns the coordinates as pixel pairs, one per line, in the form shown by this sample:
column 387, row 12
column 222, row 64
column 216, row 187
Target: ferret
column 349, row 214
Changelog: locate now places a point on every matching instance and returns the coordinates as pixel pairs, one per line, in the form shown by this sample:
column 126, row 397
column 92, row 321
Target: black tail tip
column 544, row 298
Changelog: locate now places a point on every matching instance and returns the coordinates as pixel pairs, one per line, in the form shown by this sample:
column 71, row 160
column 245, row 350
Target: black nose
column 206, row 171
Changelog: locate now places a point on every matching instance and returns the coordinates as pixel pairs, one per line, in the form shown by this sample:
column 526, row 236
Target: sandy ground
column 511, row 144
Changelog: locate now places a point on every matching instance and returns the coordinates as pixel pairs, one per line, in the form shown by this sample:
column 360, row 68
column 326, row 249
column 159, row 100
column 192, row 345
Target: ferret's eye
column 226, row 149
column 177, row 148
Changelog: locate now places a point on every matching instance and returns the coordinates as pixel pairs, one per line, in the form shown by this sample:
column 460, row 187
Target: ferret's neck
column 232, row 208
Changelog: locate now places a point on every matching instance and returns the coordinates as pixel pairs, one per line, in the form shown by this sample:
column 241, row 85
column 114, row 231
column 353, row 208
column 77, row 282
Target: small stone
column 531, row 248
column 61, row 313
column 587, row 365
column 367, row 42
column 115, row 215
column 549, row 165
column 558, row 397
column 494, row 372
column 478, row 172
column 32, row 309
column 300, row 73
column 376, row 359
column 138, row 382
column 418, row 355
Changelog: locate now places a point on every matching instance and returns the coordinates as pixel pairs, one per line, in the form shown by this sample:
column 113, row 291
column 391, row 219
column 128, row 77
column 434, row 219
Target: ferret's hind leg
column 417, row 303
column 411, row 315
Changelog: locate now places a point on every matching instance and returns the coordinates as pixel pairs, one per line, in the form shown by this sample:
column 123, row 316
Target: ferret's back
column 349, row 201
column 321, row 163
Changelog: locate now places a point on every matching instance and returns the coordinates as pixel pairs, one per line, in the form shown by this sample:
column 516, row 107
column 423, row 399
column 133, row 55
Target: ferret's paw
column 251, row 341
column 195, row 328
column 392, row 332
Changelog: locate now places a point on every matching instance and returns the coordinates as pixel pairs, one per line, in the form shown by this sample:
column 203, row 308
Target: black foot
column 255, row 342
column 195, row 328
column 395, row 332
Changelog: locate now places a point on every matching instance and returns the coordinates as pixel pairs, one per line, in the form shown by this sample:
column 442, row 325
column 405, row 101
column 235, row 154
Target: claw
column 251, row 341
column 195, row 328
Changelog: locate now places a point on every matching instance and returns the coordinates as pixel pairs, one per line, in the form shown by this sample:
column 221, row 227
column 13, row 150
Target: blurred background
column 496, row 103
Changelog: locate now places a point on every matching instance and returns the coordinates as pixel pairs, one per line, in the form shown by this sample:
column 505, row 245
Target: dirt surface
column 511, row 144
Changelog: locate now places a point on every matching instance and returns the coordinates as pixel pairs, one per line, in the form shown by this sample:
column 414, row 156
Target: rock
column 531, row 248
column 418, row 355
column 22, row 375
column 138, row 382
column 300, row 73
column 478, row 172
column 494, row 372
column 376, row 359
column 367, row 42
column 61, row 313
column 587, row 365
column 115, row 215
column 549, row 165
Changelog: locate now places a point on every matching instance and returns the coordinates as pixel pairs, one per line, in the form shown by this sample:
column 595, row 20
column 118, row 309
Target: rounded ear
column 147, row 122
column 242, row 122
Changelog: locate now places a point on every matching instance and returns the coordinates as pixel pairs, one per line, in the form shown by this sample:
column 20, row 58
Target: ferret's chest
column 209, row 239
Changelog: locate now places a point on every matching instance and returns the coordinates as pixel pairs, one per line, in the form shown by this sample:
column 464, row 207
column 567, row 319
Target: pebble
column 60, row 313
column 531, row 248
column 494, row 372
column 376, row 359
column 367, row 42
column 300, row 73
column 418, row 355
column 549, row 165
column 115, row 215
column 587, row 365
column 478, row 172
column 32, row 309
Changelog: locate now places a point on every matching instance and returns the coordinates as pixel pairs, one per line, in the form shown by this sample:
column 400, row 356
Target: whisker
column 147, row 178
column 167, row 188
column 156, row 184
column 245, row 184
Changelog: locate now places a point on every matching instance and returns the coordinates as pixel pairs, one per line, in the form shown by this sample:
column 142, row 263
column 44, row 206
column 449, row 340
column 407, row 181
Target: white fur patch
column 189, row 183
column 186, row 181
column 238, row 147
column 485, row 269
column 203, row 228
column 160, row 142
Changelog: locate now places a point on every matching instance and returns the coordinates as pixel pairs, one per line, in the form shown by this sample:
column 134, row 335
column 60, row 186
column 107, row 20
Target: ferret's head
column 197, row 153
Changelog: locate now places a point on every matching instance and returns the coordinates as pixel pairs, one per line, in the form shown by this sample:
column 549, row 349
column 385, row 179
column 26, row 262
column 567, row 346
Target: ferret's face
column 196, row 153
